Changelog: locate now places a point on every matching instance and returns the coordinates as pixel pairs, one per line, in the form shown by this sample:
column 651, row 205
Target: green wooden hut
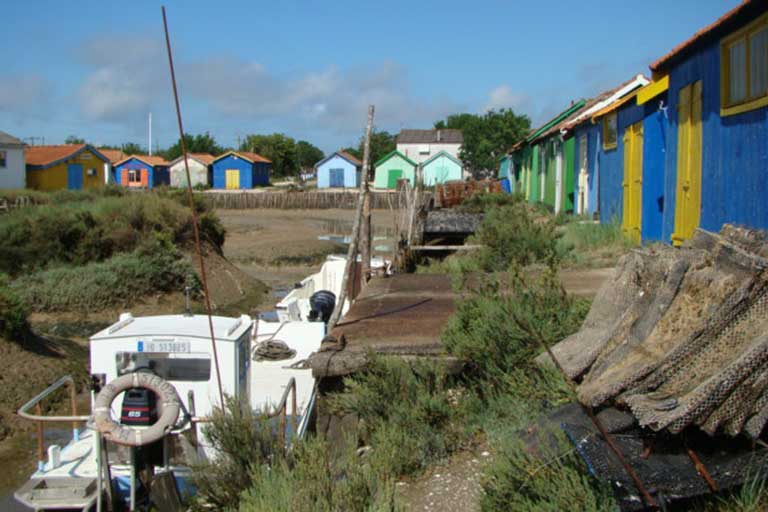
column 392, row 167
column 440, row 168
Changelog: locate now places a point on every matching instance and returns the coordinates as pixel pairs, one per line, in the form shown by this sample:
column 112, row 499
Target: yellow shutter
column 633, row 181
column 689, row 135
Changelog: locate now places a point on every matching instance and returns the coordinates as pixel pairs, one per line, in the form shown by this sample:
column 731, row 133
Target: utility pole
column 149, row 146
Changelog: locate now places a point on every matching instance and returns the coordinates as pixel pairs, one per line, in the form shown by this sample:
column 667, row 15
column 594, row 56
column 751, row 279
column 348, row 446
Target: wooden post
column 352, row 251
column 367, row 232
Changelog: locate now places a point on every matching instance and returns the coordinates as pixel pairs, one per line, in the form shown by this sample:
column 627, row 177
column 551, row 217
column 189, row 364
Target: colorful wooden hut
column 65, row 166
column 241, row 170
column 440, row 168
column 142, row 171
column 338, row 170
column 392, row 167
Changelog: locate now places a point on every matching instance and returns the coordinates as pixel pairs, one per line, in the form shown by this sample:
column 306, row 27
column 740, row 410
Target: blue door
column 74, row 176
column 337, row 178
column 655, row 129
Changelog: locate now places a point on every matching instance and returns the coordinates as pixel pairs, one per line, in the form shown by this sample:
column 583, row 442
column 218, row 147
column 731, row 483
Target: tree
column 307, row 155
column 201, row 143
column 131, row 148
column 381, row 144
column 278, row 147
column 487, row 137
column 74, row 139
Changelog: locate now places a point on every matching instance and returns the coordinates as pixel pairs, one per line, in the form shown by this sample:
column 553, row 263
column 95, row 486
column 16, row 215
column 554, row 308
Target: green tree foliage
column 13, row 312
column 307, row 155
column 74, row 139
column 487, row 137
column 278, row 147
column 200, row 143
column 381, row 143
column 131, row 148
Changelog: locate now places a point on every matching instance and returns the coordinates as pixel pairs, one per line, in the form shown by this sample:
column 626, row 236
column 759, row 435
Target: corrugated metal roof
column 445, row 135
column 725, row 24
column 9, row 140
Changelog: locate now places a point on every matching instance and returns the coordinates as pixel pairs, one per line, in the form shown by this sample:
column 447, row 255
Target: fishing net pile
column 680, row 336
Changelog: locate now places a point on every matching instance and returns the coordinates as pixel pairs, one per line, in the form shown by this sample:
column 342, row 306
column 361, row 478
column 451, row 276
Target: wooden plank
column 445, row 247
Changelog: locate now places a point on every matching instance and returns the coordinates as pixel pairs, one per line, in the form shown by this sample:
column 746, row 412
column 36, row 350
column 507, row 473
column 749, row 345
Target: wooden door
column 232, row 177
column 688, row 189
column 336, row 178
column 633, row 181
column 75, row 176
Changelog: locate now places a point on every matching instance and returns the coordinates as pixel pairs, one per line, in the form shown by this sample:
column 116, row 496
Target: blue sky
column 308, row 69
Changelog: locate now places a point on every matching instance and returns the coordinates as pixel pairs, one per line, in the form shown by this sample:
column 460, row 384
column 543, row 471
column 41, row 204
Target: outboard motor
column 321, row 306
column 139, row 408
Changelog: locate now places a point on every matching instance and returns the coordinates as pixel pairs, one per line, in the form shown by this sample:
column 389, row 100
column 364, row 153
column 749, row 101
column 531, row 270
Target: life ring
column 169, row 407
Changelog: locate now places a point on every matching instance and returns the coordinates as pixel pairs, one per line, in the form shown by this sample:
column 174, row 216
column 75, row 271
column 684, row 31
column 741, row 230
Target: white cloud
column 504, row 96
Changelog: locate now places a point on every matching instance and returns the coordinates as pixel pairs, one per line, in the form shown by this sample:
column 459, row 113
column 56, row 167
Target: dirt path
column 453, row 486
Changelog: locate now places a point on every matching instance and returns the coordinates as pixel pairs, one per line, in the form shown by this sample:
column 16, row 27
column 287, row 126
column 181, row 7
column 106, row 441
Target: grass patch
column 119, row 280
column 13, row 313
column 589, row 243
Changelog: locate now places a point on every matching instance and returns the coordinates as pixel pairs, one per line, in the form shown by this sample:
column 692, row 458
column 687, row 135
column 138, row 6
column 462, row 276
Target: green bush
column 153, row 267
column 547, row 479
column 84, row 231
column 494, row 328
column 13, row 313
column 479, row 203
column 406, row 412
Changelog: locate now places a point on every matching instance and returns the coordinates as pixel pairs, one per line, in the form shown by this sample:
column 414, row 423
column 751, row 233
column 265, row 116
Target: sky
column 95, row 69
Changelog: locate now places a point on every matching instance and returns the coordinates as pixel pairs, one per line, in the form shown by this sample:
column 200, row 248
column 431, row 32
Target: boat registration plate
column 182, row 347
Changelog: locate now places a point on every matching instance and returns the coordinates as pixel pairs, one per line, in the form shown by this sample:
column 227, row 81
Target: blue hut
column 717, row 103
column 142, row 171
column 338, row 170
column 240, row 170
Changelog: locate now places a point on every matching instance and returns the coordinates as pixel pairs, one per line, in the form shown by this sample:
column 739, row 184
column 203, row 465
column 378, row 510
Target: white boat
column 297, row 307
column 174, row 354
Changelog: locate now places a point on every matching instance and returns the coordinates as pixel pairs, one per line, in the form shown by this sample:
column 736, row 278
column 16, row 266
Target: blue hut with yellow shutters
column 716, row 162
column 237, row 170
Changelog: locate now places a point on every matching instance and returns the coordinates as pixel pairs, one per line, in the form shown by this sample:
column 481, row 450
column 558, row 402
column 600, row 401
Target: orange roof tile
column 253, row 157
column 46, row 155
column 153, row 160
column 726, row 23
column 114, row 155
column 349, row 157
column 203, row 158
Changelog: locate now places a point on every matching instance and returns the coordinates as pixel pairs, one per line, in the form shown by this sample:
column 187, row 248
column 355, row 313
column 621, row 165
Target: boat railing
column 24, row 412
column 281, row 410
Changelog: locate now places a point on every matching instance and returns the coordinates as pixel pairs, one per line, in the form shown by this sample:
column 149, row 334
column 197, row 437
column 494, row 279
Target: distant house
column 66, row 166
column 338, row 170
column 12, row 168
column 440, row 168
column 241, row 170
column 421, row 145
column 393, row 167
column 142, row 171
column 199, row 170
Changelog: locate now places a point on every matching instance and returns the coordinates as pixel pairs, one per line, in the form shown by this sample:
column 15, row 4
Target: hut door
column 688, row 196
column 74, row 176
column 581, row 201
column 336, row 177
column 633, row 181
column 232, row 177
column 393, row 176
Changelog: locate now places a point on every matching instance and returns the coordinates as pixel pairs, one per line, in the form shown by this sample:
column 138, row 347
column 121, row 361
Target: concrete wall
column 14, row 174
column 412, row 150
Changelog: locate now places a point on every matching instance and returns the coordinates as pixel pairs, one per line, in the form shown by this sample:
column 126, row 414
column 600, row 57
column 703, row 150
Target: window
column 744, row 69
column 609, row 131
column 3, row 163
column 134, row 176
column 167, row 365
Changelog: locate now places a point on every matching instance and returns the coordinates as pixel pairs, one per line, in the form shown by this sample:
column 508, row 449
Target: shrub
column 550, row 479
column 491, row 329
column 479, row 203
column 244, row 441
column 13, row 313
column 406, row 413
column 153, row 267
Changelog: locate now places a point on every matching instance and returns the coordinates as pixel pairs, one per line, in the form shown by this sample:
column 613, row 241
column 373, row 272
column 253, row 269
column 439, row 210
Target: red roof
column 46, row 155
column 114, row 155
column 253, row 157
column 350, row 157
column 726, row 23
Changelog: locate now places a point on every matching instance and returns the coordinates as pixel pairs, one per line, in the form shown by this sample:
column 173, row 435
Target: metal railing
column 282, row 410
column 24, row 412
